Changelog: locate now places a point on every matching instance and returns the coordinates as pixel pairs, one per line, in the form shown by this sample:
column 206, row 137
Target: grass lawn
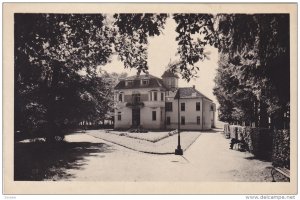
column 149, row 136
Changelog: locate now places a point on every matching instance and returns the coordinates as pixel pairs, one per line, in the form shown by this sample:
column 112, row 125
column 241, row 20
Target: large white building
column 152, row 103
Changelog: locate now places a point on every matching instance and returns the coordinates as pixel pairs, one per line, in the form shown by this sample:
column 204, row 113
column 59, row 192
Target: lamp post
column 178, row 151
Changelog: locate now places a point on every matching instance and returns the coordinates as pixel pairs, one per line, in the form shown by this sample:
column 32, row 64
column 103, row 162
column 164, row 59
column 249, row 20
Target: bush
column 261, row 139
column 226, row 131
column 123, row 134
column 281, row 149
column 233, row 131
column 264, row 143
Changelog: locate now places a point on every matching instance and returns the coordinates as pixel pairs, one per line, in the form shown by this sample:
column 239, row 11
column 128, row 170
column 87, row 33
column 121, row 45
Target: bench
column 281, row 170
column 240, row 145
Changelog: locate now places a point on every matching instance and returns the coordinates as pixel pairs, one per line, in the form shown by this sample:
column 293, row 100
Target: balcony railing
column 135, row 104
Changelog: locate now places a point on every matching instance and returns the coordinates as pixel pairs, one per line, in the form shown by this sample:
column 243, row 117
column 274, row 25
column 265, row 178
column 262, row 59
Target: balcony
column 135, row 104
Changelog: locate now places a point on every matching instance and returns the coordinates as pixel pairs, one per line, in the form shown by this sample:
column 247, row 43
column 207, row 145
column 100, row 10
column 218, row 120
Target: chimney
column 193, row 86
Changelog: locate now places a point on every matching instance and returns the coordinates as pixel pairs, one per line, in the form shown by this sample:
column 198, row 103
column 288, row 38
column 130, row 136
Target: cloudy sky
column 163, row 48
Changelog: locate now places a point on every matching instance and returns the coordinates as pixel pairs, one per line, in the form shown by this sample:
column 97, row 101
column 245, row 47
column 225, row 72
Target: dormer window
column 145, row 82
column 129, row 83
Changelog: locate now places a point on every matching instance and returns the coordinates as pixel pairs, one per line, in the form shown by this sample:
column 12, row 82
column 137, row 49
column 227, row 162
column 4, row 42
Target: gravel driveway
column 208, row 159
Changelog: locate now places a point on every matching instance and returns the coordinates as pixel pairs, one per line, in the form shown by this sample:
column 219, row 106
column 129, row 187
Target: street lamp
column 178, row 151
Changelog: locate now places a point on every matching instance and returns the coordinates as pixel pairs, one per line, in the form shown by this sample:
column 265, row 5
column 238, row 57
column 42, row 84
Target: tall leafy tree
column 195, row 31
column 258, row 48
column 132, row 33
column 51, row 52
column 111, row 80
column 56, row 61
column 254, row 46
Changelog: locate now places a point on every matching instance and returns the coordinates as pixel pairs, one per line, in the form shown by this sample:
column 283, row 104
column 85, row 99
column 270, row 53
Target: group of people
column 242, row 145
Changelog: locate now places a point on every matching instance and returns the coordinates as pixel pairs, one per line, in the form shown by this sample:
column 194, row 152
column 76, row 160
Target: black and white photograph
column 168, row 96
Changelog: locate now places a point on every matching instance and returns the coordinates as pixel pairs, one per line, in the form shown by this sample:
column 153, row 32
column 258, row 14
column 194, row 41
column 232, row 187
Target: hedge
column 264, row 143
column 281, row 149
column 259, row 140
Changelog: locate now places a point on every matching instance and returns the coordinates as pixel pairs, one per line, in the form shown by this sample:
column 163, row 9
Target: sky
column 161, row 50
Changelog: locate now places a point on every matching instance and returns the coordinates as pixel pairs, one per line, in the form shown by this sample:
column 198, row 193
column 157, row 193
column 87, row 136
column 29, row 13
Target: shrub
column 226, row 131
column 123, row 134
column 281, row 149
column 173, row 132
column 259, row 140
column 233, row 131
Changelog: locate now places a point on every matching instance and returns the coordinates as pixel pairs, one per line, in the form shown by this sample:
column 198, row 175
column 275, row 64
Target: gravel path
column 164, row 146
column 209, row 159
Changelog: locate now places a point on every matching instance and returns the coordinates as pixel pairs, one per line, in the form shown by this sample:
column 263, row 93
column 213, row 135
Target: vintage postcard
column 150, row 98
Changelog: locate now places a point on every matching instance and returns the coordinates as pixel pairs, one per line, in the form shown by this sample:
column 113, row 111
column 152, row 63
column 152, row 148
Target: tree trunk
column 263, row 115
column 52, row 127
column 255, row 107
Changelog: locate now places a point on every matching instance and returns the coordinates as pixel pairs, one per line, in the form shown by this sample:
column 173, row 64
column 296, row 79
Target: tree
column 256, row 47
column 111, row 80
column 131, row 40
column 51, row 50
column 195, row 31
column 236, row 101
column 56, row 61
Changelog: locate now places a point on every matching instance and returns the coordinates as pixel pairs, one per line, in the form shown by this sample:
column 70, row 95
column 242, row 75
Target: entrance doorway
column 136, row 113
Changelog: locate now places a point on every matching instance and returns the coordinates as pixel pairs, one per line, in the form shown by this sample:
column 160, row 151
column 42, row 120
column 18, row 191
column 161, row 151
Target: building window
column 136, row 98
column 169, row 106
column 120, row 97
column 119, row 116
column 182, row 120
column 211, row 108
column 197, row 106
column 145, row 82
column 162, row 96
column 168, row 120
column 155, row 96
column 153, row 115
column 198, row 119
column 182, row 106
column 129, row 83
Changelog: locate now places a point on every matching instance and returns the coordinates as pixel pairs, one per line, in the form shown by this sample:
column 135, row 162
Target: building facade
column 152, row 103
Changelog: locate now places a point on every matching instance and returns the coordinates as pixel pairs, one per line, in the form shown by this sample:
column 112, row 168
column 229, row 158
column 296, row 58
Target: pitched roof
column 190, row 92
column 144, row 76
column 169, row 73
column 154, row 82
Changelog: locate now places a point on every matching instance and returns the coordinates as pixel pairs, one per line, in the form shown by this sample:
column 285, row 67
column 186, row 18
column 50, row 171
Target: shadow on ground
column 41, row 161
column 258, row 158
column 215, row 130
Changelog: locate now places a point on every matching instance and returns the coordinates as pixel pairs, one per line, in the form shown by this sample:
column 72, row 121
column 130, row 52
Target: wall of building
column 213, row 116
column 146, row 118
column 206, row 114
column 145, row 111
column 190, row 114
column 126, row 118
column 170, row 82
